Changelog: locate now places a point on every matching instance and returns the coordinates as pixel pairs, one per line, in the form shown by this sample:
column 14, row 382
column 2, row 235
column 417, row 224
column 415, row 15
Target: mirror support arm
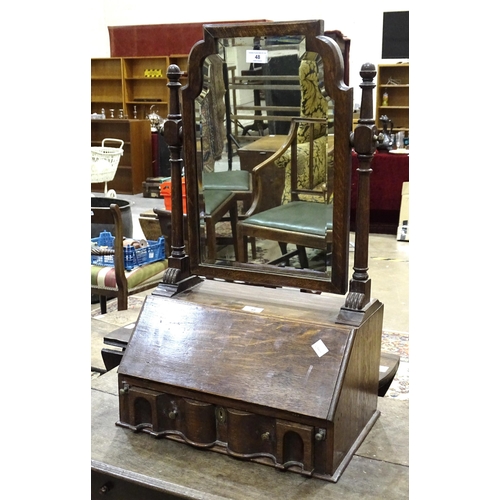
column 364, row 141
column 177, row 277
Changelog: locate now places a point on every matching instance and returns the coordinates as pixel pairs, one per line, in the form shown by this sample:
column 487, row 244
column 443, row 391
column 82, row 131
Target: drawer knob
column 265, row 436
column 173, row 414
column 124, row 390
column 320, row 435
column 105, row 488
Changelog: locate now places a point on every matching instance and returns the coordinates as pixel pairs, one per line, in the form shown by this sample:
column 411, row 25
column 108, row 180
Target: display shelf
column 145, row 85
column 394, row 79
column 133, row 84
column 106, row 85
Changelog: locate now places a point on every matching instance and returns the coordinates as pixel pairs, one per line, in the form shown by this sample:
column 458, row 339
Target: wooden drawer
column 238, row 433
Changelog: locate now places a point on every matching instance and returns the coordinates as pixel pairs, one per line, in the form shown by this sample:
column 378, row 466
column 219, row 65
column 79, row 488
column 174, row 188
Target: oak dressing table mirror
column 292, row 383
column 279, row 48
column 221, row 74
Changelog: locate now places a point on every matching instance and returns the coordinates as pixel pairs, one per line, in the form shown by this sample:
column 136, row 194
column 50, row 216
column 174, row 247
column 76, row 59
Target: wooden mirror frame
column 182, row 272
column 342, row 96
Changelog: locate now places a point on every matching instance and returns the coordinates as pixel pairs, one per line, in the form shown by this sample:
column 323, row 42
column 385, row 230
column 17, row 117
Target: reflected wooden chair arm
column 260, row 171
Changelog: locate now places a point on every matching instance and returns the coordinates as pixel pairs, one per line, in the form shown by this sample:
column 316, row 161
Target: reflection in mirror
column 255, row 158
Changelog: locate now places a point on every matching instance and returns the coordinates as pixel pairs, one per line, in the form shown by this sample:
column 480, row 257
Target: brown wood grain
column 236, row 355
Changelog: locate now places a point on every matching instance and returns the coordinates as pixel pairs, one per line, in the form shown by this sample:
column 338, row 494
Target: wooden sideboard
column 136, row 164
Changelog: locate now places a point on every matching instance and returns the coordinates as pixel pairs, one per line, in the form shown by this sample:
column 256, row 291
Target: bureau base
column 296, row 395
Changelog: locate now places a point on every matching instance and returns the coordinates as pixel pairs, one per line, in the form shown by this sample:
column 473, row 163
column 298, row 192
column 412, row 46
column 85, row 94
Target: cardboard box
column 404, row 214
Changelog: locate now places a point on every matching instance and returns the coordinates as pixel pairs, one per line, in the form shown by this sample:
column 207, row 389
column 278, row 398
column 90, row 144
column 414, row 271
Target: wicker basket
column 104, row 162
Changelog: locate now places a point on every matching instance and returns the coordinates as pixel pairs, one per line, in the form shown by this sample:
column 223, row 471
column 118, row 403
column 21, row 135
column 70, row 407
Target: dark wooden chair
column 238, row 182
column 107, row 281
column 305, row 216
column 217, row 204
column 305, row 219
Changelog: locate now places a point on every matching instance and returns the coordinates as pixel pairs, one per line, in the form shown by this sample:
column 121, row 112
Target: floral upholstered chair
column 114, row 280
column 313, row 105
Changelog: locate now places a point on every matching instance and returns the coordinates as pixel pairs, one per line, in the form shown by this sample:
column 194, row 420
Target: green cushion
column 231, row 180
column 104, row 277
column 298, row 216
column 214, row 198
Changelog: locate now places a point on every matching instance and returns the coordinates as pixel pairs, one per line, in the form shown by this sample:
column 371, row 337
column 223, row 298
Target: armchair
column 304, row 217
column 115, row 281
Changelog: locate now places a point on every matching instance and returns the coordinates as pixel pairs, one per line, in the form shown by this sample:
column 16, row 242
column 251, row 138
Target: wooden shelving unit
column 106, row 85
column 132, row 84
column 145, row 86
column 395, row 80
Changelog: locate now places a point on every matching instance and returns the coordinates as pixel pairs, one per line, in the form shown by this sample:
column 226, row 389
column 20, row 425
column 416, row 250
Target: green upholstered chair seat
column 231, row 180
column 214, row 198
column 297, row 216
column 104, row 277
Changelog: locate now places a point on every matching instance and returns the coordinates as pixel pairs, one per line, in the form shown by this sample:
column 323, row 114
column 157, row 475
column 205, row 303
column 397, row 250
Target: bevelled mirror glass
column 266, row 127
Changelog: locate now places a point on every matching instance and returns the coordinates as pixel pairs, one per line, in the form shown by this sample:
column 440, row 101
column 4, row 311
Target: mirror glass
column 249, row 86
column 251, row 91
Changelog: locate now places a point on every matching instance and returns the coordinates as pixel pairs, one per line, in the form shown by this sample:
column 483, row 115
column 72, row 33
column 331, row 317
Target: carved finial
column 368, row 72
column 174, row 73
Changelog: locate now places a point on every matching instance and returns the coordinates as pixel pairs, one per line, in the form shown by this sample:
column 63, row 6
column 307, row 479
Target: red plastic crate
column 166, row 192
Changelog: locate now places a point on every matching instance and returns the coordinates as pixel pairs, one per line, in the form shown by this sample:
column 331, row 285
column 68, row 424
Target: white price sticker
column 253, row 309
column 320, row 348
column 257, row 56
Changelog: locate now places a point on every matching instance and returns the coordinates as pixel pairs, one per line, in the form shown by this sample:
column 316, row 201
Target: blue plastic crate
column 133, row 257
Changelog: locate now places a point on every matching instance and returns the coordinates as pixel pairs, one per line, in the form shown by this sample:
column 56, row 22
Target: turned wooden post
column 178, row 261
column 364, row 140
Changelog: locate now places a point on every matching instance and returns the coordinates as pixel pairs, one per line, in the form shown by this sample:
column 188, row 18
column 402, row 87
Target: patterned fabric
column 104, row 277
column 313, row 105
column 319, row 166
column 212, row 113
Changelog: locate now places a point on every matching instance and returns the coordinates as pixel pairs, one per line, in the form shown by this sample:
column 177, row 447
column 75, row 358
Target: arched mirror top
column 237, row 76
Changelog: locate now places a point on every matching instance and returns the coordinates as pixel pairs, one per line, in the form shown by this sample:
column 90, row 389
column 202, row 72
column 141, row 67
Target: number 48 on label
column 256, row 56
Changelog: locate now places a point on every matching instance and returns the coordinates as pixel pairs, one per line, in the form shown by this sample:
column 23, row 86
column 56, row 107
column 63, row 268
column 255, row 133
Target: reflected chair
column 217, row 204
column 238, row 182
column 304, row 217
column 116, row 281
